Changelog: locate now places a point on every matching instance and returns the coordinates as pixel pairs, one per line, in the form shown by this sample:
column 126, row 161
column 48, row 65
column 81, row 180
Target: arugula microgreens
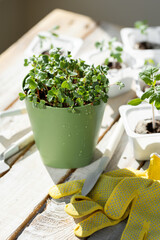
column 142, row 26
column 150, row 75
column 115, row 52
column 43, row 38
column 60, row 81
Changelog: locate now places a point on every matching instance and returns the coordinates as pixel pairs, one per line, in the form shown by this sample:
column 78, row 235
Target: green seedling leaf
column 147, row 94
column 26, row 62
column 135, row 102
column 142, row 26
column 80, row 101
column 157, row 77
column 32, row 83
column 41, row 104
column 66, row 85
column 120, row 84
column 106, row 61
column 149, row 62
column 119, row 49
column 22, row 96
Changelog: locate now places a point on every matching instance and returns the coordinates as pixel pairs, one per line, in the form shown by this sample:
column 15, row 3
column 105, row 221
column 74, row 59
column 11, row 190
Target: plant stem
column 153, row 117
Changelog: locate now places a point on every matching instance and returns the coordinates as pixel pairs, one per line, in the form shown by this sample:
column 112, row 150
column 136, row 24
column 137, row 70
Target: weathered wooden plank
column 23, row 188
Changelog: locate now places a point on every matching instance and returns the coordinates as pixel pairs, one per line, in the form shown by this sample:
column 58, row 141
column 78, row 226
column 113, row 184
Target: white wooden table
column 27, row 212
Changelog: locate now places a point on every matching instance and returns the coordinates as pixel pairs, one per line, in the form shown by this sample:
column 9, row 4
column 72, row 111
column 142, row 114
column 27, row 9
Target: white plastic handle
column 19, row 145
column 13, row 112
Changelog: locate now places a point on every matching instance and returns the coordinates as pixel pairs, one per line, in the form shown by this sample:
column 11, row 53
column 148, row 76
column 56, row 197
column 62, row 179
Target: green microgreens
column 142, row 26
column 115, row 52
column 150, row 75
column 60, row 81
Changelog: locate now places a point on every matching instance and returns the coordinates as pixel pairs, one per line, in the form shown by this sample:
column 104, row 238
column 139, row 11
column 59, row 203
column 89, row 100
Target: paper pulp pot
column 130, row 36
column 65, row 139
column 143, row 144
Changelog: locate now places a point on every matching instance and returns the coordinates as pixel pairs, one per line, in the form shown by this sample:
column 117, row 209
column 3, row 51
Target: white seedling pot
column 126, row 74
column 143, row 144
column 66, row 43
column 130, row 36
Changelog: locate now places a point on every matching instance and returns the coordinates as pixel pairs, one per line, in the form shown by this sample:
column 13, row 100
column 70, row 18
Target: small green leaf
column 22, row 96
column 55, row 34
column 69, row 101
column 142, row 26
column 147, row 94
column 146, row 79
column 135, row 102
column 41, row 104
column 45, row 58
column 157, row 77
column 157, row 105
column 152, row 98
column 66, row 85
column 94, row 78
column 63, row 64
column 26, row 62
column 120, row 84
column 80, row 101
column 106, row 61
column 119, row 49
column 32, row 83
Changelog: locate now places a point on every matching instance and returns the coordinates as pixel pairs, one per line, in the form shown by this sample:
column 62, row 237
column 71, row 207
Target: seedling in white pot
column 142, row 41
column 119, row 63
column 141, row 86
column 142, row 123
column 145, row 43
column 46, row 40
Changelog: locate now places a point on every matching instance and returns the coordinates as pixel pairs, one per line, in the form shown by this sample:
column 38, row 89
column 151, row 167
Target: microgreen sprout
column 115, row 51
column 142, row 26
column 60, row 81
column 43, row 38
column 149, row 62
column 150, row 75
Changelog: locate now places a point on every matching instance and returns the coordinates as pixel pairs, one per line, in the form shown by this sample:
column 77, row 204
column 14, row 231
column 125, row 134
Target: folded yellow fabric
column 99, row 202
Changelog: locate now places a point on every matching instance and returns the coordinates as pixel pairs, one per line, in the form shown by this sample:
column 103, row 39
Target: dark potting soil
column 145, row 127
column 46, row 52
column 114, row 65
column 147, row 45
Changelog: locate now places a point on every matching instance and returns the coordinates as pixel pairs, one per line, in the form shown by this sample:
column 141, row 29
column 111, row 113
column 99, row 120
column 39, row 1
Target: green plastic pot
column 65, row 139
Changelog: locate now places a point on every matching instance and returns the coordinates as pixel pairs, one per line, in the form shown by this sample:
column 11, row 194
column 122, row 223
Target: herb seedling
column 115, row 52
column 43, row 38
column 149, row 62
column 60, row 81
column 150, row 75
column 142, row 26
